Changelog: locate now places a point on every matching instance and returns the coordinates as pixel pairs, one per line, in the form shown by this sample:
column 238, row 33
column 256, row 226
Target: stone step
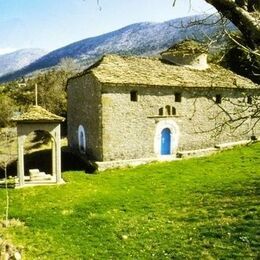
column 41, row 178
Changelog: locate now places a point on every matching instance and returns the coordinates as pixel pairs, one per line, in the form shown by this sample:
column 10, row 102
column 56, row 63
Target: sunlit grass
column 205, row 208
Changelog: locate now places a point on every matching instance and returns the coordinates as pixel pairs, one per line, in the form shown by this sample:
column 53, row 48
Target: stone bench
column 196, row 153
column 232, row 144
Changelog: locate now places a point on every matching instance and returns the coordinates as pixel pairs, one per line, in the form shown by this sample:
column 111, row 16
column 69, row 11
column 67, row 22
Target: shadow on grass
column 42, row 160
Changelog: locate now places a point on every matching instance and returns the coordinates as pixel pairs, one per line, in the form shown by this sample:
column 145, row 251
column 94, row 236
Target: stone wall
column 84, row 109
column 129, row 127
column 118, row 129
column 198, row 61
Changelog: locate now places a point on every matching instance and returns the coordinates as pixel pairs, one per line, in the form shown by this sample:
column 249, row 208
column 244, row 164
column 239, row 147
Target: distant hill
column 137, row 39
column 16, row 60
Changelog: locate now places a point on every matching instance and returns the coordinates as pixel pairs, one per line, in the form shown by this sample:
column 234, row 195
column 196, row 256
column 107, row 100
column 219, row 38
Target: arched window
column 173, row 111
column 161, row 111
column 81, row 139
column 168, row 110
column 81, row 143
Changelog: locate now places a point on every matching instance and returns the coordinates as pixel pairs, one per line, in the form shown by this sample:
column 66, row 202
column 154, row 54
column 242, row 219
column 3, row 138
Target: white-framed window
column 81, row 139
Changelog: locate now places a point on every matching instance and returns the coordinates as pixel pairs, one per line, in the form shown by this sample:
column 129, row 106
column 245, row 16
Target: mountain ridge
column 145, row 38
column 16, row 60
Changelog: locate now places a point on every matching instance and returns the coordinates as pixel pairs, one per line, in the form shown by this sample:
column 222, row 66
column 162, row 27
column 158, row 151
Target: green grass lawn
column 205, row 208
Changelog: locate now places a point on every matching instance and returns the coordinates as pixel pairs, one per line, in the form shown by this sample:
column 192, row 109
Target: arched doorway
column 166, row 141
column 166, row 138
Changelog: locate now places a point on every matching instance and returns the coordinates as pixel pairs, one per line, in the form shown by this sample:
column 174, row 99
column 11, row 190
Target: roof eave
column 30, row 121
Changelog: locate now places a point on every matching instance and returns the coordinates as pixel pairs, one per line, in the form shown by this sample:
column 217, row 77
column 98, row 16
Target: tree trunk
column 245, row 15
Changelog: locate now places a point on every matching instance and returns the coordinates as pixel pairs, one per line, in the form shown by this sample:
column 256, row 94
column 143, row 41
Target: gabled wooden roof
column 37, row 114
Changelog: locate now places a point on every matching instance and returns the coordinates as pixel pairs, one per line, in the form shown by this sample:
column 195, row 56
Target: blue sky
column 50, row 24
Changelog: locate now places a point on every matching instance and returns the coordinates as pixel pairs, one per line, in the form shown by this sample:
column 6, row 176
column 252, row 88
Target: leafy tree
column 7, row 108
column 51, row 89
column 21, row 93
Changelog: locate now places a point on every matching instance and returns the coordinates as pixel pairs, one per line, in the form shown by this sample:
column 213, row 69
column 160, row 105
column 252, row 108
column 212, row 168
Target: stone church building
column 129, row 107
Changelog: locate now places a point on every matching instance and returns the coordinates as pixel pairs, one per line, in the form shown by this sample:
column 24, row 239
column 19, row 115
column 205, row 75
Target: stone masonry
column 124, row 103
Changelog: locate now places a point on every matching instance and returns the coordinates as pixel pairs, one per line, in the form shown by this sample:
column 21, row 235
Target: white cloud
column 6, row 50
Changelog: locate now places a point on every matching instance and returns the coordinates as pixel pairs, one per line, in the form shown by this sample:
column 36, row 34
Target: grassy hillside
column 205, row 208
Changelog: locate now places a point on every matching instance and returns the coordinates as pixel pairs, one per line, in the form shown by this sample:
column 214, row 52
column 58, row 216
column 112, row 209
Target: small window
column 218, row 99
column 177, row 97
column 81, row 142
column 81, row 139
column 133, row 96
column 168, row 110
column 249, row 100
column 173, row 111
column 161, row 111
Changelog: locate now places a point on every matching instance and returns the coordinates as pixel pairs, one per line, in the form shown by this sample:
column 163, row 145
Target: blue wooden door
column 166, row 141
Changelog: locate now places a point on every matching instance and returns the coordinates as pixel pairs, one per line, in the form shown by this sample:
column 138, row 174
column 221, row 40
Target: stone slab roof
column 187, row 47
column 38, row 114
column 147, row 71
